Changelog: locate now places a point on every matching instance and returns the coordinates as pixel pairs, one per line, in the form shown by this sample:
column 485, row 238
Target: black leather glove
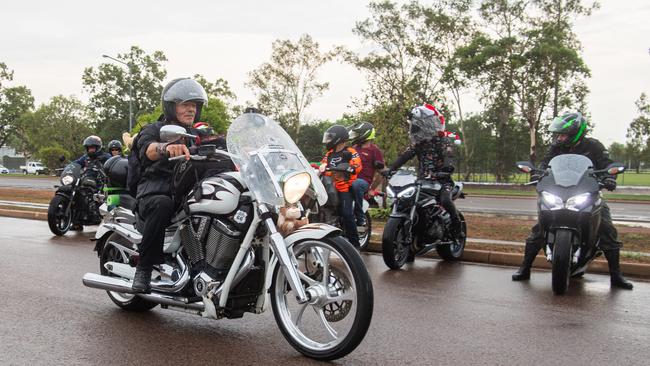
column 350, row 170
column 609, row 183
column 387, row 173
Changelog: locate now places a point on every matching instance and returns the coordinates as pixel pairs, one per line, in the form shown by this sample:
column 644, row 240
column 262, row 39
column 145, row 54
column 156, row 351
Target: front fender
column 311, row 231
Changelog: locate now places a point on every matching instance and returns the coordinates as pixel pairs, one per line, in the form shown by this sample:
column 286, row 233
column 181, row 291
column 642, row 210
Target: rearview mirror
column 525, row 166
column 171, row 133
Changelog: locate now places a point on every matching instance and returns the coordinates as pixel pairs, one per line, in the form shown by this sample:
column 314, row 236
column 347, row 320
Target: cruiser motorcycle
column 77, row 199
column 569, row 206
column 238, row 244
column 418, row 223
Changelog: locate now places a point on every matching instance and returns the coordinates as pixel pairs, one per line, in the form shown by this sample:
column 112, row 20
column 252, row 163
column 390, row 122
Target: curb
column 470, row 255
column 31, row 215
column 514, row 260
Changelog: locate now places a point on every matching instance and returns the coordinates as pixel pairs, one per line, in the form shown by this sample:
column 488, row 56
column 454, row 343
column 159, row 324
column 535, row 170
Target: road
column 46, row 183
column 431, row 313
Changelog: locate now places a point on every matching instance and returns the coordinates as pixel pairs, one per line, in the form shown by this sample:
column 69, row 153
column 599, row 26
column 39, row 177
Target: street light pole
column 130, row 89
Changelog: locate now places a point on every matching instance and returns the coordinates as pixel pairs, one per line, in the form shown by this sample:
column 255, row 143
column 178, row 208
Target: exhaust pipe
column 115, row 284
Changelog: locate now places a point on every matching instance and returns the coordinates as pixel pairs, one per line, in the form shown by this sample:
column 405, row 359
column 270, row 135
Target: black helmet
column 334, row 136
column 362, row 132
column 424, row 124
column 95, row 141
column 114, row 144
column 571, row 124
column 180, row 91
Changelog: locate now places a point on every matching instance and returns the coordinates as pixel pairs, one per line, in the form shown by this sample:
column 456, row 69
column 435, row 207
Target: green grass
column 630, row 178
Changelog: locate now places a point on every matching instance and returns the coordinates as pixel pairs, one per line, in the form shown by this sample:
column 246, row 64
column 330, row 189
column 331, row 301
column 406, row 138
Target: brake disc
column 338, row 284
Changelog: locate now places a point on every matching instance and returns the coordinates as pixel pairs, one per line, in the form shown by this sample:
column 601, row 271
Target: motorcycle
column 569, row 211
column 77, row 199
column 418, row 223
column 329, row 213
column 237, row 244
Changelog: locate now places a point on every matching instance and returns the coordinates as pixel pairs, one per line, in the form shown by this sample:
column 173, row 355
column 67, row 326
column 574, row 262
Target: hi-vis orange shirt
column 342, row 181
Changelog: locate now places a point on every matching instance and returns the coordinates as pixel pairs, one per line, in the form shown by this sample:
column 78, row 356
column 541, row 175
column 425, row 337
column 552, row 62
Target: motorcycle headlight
column 295, row 185
column 578, row 202
column 407, row 193
column 67, row 179
column 552, row 201
column 389, row 192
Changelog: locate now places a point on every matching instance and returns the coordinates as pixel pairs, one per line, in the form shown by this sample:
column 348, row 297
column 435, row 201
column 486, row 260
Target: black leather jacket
column 591, row 148
column 435, row 155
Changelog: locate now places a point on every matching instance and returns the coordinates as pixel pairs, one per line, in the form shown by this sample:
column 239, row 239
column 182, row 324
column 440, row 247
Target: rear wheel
column 454, row 251
column 395, row 247
column 111, row 253
column 58, row 220
column 336, row 318
column 561, row 261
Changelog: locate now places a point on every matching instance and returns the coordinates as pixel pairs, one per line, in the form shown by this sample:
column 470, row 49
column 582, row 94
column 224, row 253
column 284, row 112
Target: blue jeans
column 359, row 188
column 347, row 218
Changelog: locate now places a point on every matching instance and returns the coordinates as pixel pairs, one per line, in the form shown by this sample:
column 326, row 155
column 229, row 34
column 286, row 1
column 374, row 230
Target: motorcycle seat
column 127, row 201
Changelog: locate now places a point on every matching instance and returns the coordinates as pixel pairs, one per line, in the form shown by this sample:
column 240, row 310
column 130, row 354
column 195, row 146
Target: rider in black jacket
column 182, row 102
column 435, row 155
column 569, row 138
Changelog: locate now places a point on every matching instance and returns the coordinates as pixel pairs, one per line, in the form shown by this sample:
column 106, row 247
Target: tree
column 287, row 84
column 638, row 134
column 108, row 85
column 63, row 123
column 14, row 101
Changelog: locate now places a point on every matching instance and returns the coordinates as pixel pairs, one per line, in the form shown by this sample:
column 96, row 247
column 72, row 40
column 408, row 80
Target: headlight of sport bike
column 67, row 179
column 578, row 202
column 552, row 201
column 407, row 193
column 294, row 186
column 390, row 192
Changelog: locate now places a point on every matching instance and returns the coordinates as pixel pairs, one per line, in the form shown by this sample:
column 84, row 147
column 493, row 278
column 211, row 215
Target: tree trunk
column 533, row 143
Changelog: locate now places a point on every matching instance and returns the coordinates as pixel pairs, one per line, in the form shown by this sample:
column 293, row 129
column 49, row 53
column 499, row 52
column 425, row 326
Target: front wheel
column 454, row 251
column 336, row 318
column 395, row 247
column 561, row 261
column 57, row 218
column 365, row 233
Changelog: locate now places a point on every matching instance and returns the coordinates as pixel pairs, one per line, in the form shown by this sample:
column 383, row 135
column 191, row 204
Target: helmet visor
column 328, row 137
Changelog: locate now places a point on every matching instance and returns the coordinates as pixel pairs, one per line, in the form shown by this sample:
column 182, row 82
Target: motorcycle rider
column 362, row 136
column 338, row 153
column 435, row 156
column 182, row 101
column 115, row 148
column 569, row 132
column 93, row 146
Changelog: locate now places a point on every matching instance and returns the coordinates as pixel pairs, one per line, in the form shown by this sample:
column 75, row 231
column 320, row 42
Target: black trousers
column 448, row 203
column 607, row 233
column 156, row 213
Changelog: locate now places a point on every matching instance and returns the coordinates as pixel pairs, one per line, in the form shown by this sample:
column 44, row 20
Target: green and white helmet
column 568, row 129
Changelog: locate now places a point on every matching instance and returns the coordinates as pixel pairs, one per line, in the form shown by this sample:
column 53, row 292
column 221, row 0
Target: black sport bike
column 77, row 200
column 569, row 211
column 418, row 223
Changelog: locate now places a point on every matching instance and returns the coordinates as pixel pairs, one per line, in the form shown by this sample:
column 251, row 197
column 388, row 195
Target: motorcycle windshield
column 72, row 169
column 568, row 169
column 264, row 153
column 402, row 178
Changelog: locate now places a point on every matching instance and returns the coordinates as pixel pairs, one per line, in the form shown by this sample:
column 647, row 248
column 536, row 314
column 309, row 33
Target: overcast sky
column 49, row 43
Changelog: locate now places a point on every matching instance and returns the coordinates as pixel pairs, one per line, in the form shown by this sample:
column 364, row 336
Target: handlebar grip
column 177, row 158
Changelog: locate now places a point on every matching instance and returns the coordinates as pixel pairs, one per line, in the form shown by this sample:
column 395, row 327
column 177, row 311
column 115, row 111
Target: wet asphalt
column 431, row 312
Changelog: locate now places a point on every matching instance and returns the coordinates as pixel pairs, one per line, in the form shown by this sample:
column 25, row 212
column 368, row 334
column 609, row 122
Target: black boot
column 616, row 279
column 530, row 253
column 142, row 280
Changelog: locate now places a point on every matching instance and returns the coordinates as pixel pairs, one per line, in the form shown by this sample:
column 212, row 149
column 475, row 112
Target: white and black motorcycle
column 237, row 245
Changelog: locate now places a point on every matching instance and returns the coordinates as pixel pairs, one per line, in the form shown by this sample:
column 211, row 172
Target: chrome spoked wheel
column 336, row 317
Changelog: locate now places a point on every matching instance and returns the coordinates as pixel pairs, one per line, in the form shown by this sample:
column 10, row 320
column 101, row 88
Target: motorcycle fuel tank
column 218, row 195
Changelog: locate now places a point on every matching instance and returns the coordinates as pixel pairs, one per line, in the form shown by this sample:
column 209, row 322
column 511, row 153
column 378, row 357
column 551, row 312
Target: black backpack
column 133, row 174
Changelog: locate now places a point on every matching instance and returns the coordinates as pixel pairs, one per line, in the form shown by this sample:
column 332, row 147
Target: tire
column 364, row 240
column 394, row 248
column 110, row 253
column 454, row 252
column 58, row 222
column 25, row 172
column 352, row 312
column 561, row 264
